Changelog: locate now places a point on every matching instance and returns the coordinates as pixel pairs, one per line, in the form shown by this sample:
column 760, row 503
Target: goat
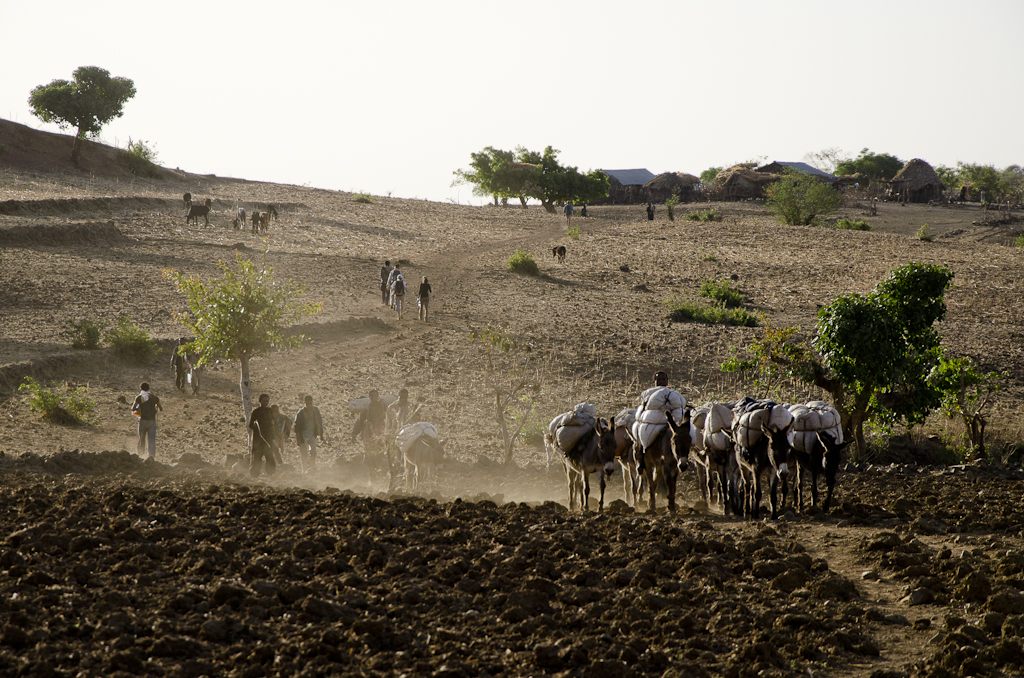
column 594, row 451
column 264, row 222
column 188, row 200
column 769, row 453
column 196, row 211
column 664, row 456
column 272, row 211
column 824, row 456
column 559, row 253
column 255, row 221
column 260, row 220
column 240, row 217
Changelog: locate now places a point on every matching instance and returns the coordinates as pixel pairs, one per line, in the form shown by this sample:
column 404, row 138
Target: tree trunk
column 245, row 386
column 499, row 415
column 522, row 200
column 76, row 147
column 549, row 206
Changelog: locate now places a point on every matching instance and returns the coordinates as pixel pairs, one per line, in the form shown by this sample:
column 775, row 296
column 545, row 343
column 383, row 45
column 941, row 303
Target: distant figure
column 282, row 431
column 145, row 406
column 398, row 294
column 567, row 211
column 178, row 365
column 385, row 271
column 424, row 296
column 583, row 212
column 395, row 272
column 963, row 193
column 308, row 427
column 650, row 212
column 370, row 423
column 398, row 413
column 263, row 428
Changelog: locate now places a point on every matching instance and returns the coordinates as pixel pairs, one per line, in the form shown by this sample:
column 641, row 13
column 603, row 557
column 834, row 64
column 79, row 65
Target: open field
column 188, row 569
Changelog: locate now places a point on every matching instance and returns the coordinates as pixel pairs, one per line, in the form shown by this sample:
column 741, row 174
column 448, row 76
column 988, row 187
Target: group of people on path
column 269, row 429
column 393, row 290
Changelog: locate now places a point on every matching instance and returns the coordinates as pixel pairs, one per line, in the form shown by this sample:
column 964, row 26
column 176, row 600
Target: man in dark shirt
column 145, row 406
column 178, row 365
column 263, row 428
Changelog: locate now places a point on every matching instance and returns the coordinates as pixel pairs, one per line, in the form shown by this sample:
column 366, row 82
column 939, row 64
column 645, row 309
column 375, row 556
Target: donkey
column 196, row 211
column 823, row 457
column 769, row 454
column 421, row 459
column 665, row 456
column 595, row 451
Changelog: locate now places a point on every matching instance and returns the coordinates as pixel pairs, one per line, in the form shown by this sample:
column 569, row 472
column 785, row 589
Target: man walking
column 145, row 406
column 178, row 365
column 308, row 427
column 424, row 294
column 263, row 428
column 385, row 271
column 392, row 276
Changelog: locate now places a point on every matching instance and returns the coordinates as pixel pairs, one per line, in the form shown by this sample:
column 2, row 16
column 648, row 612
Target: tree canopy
column 873, row 353
column 798, row 199
column 89, row 101
column 871, row 165
column 527, row 174
column 244, row 313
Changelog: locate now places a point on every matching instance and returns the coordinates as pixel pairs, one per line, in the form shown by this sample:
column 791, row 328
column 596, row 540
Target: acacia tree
column 512, row 377
column 873, row 353
column 89, row 101
column 242, row 314
column 528, row 174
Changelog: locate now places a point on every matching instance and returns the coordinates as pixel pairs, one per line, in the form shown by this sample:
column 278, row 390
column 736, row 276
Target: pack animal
column 421, row 459
column 764, row 453
column 594, row 452
column 822, row 459
column 664, row 457
column 714, row 455
column 559, row 253
column 625, row 454
column 196, row 211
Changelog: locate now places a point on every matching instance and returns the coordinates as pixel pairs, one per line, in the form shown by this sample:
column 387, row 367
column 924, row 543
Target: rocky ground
column 184, row 567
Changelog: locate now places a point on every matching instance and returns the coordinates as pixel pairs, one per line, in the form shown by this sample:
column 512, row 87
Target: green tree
column 527, row 174
column 512, row 376
column 243, row 313
column 799, row 199
column 89, row 101
column 872, row 165
column 981, row 179
column 966, row 393
column 707, row 177
column 1012, row 180
column 873, row 353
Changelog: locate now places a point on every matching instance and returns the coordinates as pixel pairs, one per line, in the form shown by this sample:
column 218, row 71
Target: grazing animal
column 559, row 253
column 188, row 200
column 196, row 211
column 255, row 220
column 272, row 211
column 594, row 451
column 240, row 217
column 264, row 222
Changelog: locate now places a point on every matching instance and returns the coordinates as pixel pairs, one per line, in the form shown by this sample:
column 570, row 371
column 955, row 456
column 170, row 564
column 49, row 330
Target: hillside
column 188, row 567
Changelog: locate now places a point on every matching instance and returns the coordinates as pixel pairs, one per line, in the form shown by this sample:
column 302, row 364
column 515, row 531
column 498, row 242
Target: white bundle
column 360, row 405
column 718, row 424
column 698, row 420
column 646, row 433
column 655, row 402
column 626, row 417
column 748, row 427
column 812, row 418
column 566, row 429
column 408, row 436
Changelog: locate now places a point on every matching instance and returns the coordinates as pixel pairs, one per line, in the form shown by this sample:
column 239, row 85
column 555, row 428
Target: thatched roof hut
column 741, row 182
column 916, row 182
column 668, row 184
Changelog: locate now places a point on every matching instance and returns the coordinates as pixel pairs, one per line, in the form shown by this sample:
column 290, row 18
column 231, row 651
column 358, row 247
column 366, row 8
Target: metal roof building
column 630, row 177
column 802, row 167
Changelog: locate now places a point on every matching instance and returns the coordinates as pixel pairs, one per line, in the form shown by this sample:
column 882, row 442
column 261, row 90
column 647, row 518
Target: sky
column 390, row 97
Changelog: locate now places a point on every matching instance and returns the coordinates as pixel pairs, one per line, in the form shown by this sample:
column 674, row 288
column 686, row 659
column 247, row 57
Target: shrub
column 131, row 341
column 924, row 234
column 141, row 160
column 709, row 214
column 1019, row 241
column 363, row 198
column 84, row 334
column 670, row 205
column 522, row 262
column 60, row 404
column 574, row 232
column 800, row 199
column 851, row 225
column 708, row 256
column 722, row 292
column 682, row 310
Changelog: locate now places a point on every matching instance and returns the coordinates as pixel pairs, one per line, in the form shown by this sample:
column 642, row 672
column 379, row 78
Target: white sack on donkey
column 566, row 429
column 410, row 434
column 650, row 414
column 813, row 418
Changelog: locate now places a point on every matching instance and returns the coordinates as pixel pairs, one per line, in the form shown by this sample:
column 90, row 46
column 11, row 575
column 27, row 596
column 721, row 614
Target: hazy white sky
column 392, row 96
